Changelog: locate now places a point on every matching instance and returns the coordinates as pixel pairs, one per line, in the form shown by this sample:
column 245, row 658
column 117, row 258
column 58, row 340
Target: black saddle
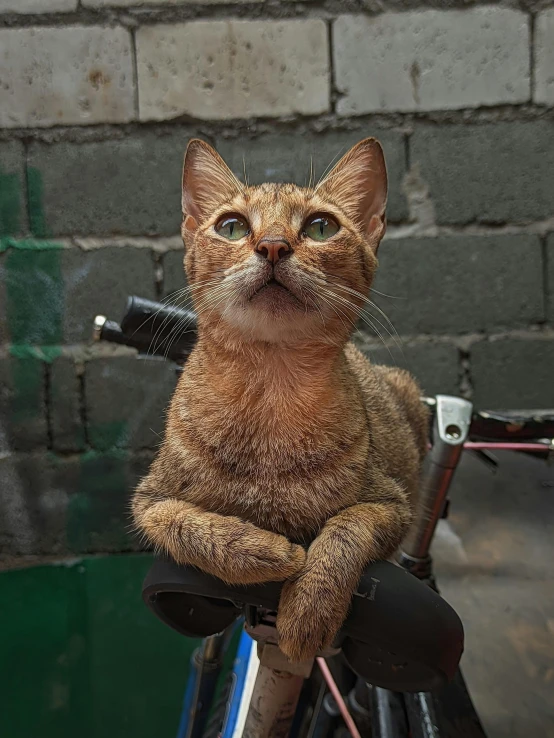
column 400, row 634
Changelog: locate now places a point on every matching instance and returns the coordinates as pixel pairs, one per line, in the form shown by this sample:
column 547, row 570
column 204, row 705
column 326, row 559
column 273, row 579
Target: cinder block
column 461, row 283
column 513, row 373
column 130, row 186
column 214, row 69
column 126, row 401
column 33, row 506
column 61, row 76
column 98, row 282
column 544, row 57
column 68, row 433
column 431, row 60
column 98, row 518
column 37, row 6
column 287, row 158
column 13, row 218
column 493, row 173
column 31, row 293
column 435, row 365
column 22, row 404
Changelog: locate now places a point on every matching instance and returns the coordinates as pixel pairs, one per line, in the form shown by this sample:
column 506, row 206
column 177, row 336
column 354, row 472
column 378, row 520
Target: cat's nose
column 273, row 249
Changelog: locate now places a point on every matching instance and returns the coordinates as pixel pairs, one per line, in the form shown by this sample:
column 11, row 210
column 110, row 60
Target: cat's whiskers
column 396, row 338
column 367, row 299
column 337, row 312
column 366, row 319
column 371, row 289
column 384, row 294
column 327, row 170
column 324, row 294
column 212, row 299
column 181, row 305
column 310, row 183
column 182, row 322
column 352, row 321
column 181, row 296
column 314, row 295
column 222, row 294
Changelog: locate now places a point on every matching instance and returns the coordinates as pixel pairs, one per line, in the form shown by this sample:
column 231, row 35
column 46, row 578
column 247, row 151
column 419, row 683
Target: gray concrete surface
column 494, row 563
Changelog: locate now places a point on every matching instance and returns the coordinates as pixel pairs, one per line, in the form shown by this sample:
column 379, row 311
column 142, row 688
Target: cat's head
column 278, row 262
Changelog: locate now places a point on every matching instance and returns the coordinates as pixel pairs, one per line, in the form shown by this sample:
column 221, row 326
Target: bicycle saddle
column 400, row 634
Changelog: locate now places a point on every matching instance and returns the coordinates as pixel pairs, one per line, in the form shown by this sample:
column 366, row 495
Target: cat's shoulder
column 379, row 376
column 359, row 363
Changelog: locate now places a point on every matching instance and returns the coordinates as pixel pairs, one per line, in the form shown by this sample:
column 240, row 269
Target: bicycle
column 397, row 655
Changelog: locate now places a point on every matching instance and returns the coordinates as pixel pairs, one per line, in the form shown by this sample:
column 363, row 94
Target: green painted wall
column 83, row 657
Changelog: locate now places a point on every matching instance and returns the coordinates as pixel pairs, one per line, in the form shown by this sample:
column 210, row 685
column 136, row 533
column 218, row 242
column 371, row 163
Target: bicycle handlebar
column 164, row 330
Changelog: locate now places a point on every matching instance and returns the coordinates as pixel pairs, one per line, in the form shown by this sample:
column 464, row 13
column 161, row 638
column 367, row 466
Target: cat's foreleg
column 314, row 605
column 227, row 547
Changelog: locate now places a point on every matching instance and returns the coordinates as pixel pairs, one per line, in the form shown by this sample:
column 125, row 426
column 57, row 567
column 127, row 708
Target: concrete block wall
column 97, row 101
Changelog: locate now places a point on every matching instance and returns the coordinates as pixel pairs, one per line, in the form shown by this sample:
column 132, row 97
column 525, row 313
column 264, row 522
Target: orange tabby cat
column 280, row 432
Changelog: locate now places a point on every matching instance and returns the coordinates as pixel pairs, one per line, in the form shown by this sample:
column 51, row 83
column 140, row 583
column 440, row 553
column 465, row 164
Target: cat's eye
column 320, row 227
column 232, row 226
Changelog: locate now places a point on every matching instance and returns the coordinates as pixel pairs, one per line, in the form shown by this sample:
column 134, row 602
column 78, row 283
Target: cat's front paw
column 309, row 617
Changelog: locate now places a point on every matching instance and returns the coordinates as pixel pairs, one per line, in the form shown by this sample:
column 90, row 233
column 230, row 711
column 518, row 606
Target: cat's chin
column 273, row 315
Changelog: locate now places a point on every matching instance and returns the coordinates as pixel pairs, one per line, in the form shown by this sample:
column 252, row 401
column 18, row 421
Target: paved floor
column 494, row 562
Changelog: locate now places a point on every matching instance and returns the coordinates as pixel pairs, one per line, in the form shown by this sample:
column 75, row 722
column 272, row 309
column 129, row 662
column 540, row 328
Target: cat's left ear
column 358, row 185
column 207, row 183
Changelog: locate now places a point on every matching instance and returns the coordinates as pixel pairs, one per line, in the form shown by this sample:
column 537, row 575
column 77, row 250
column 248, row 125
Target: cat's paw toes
column 306, row 622
column 284, row 562
column 297, row 560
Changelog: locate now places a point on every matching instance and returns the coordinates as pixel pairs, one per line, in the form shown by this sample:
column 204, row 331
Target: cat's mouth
column 272, row 285
column 273, row 288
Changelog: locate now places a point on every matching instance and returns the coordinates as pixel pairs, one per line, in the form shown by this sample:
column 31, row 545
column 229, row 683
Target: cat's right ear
column 207, row 182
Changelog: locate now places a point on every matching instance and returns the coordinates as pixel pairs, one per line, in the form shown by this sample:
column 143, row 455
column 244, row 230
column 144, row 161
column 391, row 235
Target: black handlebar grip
column 152, row 328
column 163, row 329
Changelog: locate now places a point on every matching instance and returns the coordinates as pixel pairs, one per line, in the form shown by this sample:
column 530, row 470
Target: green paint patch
column 35, row 193
column 43, row 353
column 28, row 244
column 84, row 657
column 109, row 435
column 10, row 203
column 34, row 295
column 98, row 512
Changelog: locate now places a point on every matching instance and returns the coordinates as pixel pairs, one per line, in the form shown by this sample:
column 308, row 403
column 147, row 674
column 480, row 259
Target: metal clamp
column 450, row 431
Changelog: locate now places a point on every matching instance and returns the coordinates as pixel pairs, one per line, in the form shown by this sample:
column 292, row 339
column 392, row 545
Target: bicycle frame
column 205, row 668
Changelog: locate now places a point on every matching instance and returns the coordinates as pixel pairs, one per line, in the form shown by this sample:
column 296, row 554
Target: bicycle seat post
column 278, row 683
column 450, row 431
column 275, row 695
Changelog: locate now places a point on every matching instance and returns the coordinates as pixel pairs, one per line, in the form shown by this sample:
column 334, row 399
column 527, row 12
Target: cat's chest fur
column 285, row 458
